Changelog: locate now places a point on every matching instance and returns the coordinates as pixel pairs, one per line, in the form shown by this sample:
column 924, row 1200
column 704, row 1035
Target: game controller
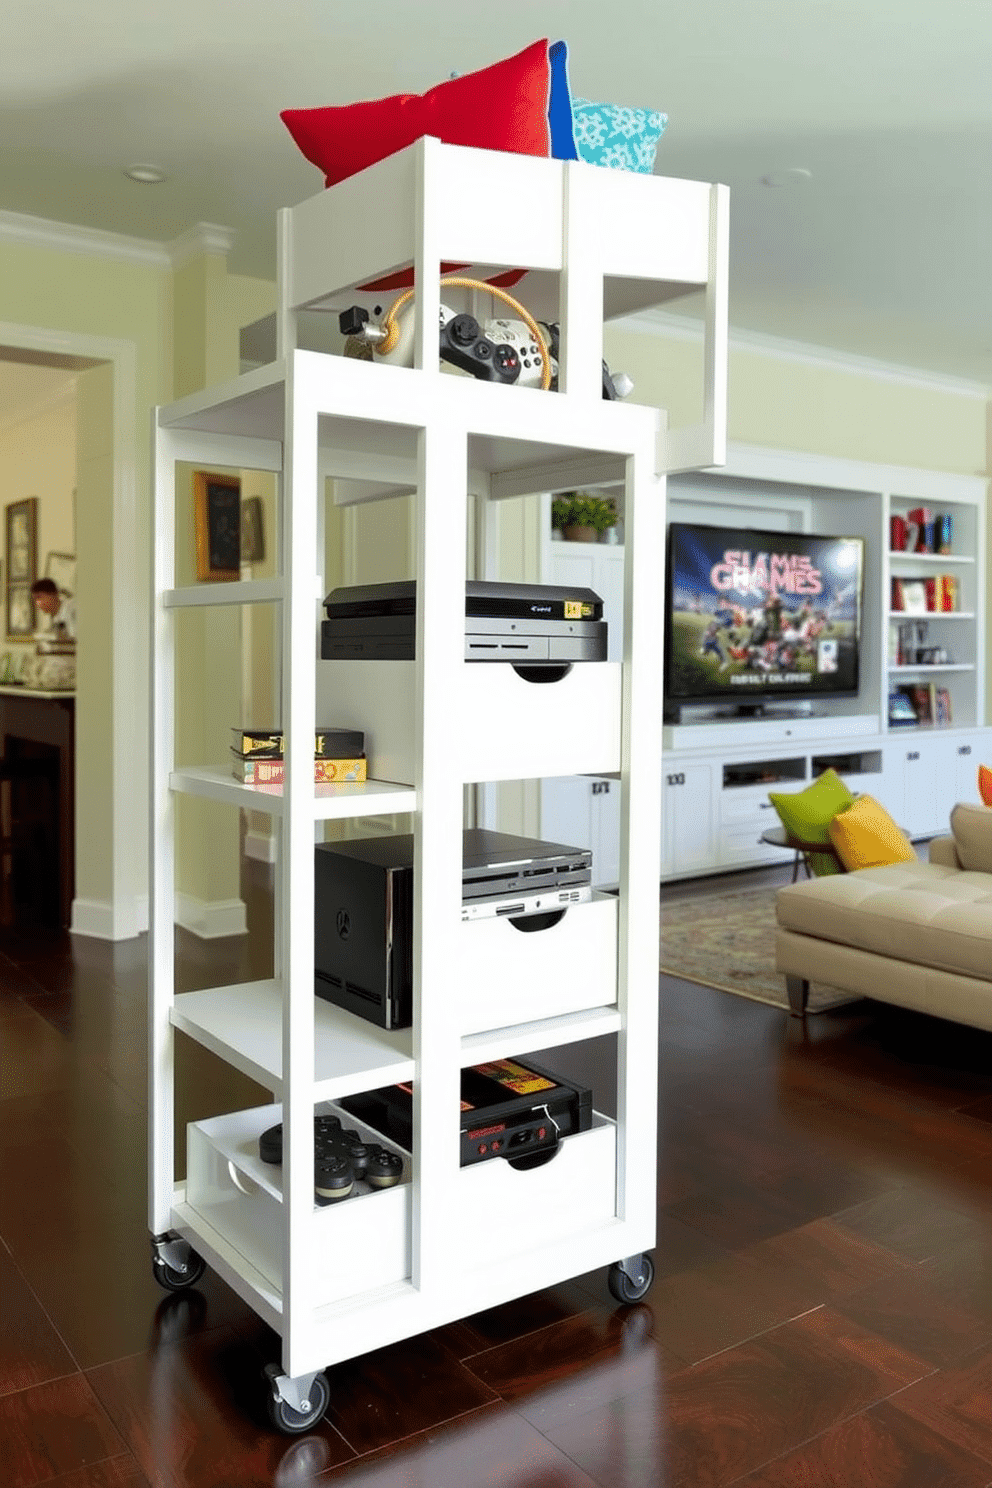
column 615, row 384
column 341, row 1157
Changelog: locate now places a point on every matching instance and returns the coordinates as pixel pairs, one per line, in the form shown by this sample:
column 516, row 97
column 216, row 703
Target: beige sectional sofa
column 918, row 934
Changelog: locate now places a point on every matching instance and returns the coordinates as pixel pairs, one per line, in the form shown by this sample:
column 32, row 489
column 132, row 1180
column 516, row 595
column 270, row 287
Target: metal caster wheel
column 175, row 1264
column 631, row 1280
column 305, row 1407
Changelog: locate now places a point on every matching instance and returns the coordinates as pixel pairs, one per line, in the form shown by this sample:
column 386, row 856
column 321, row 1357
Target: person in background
column 61, row 607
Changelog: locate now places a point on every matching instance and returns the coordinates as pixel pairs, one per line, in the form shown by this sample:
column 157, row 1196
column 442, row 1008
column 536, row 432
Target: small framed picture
column 22, row 564
column 61, row 569
column 217, row 518
column 252, row 531
column 20, row 610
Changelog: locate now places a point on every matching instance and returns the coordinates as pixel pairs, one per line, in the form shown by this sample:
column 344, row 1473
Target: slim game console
column 525, row 624
column 363, row 908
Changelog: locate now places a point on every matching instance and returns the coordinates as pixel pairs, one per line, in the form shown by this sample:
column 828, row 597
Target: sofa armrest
column 943, row 852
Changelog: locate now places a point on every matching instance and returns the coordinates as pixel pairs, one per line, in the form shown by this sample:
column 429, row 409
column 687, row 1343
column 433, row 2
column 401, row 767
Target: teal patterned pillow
column 623, row 138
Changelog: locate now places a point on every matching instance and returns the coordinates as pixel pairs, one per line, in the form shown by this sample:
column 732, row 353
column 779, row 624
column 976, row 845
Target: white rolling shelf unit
column 446, row 1241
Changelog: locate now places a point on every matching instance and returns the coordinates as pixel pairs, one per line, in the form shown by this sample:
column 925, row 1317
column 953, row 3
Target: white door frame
column 126, row 915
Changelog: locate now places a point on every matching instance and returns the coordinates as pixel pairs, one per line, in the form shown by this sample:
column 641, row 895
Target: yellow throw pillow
column 985, row 784
column 865, row 836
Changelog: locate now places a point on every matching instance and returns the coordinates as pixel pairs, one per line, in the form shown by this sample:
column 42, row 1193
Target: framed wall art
column 22, row 565
column 217, row 520
column 61, row 569
column 252, row 531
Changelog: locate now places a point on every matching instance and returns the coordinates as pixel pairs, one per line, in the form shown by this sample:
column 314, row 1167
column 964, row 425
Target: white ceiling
column 884, row 252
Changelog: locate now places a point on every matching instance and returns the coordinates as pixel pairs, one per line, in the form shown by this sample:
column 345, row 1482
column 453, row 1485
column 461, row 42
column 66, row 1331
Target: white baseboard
column 105, row 921
column 211, row 918
column 261, row 846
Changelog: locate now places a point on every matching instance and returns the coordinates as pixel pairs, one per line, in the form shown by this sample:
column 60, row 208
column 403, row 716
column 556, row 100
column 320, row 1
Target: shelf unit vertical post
column 640, row 840
column 442, row 457
column 161, row 840
column 299, row 519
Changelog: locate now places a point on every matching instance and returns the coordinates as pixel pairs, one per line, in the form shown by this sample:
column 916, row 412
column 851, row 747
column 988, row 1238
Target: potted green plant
column 581, row 517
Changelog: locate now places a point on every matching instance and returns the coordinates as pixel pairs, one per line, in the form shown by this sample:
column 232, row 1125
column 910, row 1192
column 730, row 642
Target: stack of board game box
column 258, row 756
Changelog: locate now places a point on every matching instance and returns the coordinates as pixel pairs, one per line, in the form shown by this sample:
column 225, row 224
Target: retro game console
column 510, row 1108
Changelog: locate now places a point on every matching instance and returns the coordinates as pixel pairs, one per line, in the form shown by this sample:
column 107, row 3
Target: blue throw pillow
column 560, row 104
column 623, row 138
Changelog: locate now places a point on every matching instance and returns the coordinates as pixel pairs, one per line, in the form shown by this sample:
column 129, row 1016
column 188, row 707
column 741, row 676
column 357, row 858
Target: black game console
column 529, row 625
column 510, row 1109
column 363, row 909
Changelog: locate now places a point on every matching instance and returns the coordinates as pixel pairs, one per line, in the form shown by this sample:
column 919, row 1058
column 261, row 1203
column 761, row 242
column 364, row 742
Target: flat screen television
column 753, row 615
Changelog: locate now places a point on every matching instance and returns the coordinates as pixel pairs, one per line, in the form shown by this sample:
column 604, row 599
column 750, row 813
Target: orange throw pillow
column 865, row 836
column 985, row 784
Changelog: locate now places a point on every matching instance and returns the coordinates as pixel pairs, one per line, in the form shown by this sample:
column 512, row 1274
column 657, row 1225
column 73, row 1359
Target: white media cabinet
column 716, row 772
column 447, row 1241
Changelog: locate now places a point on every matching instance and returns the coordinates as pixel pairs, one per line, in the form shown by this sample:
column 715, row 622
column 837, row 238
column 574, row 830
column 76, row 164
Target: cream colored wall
column 38, row 458
column 46, row 290
column 788, row 403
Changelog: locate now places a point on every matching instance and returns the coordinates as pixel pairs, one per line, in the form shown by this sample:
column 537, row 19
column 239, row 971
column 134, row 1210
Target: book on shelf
column 273, row 771
column 947, row 592
column 944, row 712
column 924, row 699
column 269, row 743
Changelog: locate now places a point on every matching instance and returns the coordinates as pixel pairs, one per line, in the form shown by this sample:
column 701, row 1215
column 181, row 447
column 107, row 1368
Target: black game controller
column 340, row 1156
column 464, row 345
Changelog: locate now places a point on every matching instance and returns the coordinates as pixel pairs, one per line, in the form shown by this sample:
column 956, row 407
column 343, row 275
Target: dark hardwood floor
column 822, row 1313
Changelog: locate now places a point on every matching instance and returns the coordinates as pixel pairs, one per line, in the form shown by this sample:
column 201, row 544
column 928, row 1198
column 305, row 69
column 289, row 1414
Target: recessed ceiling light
column 146, row 175
column 794, row 175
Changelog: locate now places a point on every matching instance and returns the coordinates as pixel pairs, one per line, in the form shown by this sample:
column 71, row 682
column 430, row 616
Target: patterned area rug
column 727, row 941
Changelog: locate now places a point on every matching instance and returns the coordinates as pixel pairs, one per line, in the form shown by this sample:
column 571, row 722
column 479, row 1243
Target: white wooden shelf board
column 251, row 406
column 932, row 615
column 234, row 1268
column 543, row 1033
column 950, row 666
column 242, row 1024
column 331, row 801
column 255, row 591
column 897, row 556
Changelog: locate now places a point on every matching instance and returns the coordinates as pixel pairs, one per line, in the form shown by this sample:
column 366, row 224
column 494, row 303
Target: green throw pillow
column 807, row 814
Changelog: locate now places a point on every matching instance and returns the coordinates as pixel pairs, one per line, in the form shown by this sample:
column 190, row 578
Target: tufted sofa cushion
column 972, row 829
column 923, row 913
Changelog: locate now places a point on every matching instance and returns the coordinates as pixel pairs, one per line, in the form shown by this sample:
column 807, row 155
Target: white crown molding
column 204, row 237
column 65, row 237
column 682, row 328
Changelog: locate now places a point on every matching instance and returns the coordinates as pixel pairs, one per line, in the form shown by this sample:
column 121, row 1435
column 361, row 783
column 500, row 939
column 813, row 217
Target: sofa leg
column 798, row 990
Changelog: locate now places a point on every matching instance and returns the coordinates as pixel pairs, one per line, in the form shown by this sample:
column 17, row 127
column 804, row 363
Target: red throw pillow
column 502, row 107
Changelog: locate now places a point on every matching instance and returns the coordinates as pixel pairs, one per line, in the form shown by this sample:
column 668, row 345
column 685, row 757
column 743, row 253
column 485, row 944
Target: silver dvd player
column 548, row 901
column 526, row 624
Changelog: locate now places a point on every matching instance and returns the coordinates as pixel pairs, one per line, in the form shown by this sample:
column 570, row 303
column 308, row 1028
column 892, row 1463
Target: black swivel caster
column 630, row 1280
column 175, row 1264
column 304, row 1410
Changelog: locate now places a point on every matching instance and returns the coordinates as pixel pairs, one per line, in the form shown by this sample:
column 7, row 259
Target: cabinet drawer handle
column 678, row 779
column 912, row 754
column 964, row 749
